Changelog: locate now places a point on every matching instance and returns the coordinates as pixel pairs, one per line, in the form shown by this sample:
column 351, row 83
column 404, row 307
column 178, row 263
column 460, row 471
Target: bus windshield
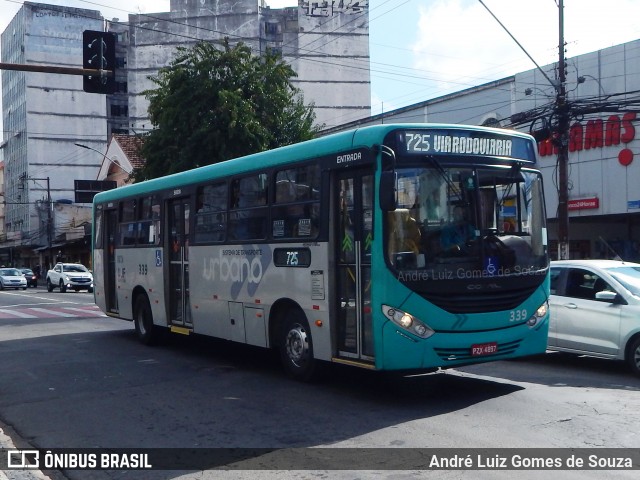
column 455, row 222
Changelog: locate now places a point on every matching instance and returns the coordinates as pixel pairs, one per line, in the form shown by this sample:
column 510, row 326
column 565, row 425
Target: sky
column 423, row 49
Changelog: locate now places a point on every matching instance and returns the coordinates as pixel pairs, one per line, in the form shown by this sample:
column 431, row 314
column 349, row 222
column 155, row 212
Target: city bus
column 334, row 250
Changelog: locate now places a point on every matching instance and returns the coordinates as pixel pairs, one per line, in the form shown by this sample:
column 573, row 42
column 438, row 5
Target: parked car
column 12, row 278
column 69, row 276
column 595, row 309
column 32, row 278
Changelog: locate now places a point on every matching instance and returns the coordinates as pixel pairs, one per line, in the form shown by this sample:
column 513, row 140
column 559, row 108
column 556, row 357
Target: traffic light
column 99, row 53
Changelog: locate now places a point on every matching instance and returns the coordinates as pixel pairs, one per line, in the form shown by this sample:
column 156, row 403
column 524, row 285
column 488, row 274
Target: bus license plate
column 484, row 349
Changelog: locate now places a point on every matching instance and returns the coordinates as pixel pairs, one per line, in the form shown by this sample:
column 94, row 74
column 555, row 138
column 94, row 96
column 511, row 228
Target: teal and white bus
column 335, row 250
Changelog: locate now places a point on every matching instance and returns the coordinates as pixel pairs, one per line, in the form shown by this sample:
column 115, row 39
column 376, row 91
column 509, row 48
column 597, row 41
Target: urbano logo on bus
column 237, row 266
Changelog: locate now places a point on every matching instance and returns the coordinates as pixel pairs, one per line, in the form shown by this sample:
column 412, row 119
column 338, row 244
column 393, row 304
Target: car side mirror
column 607, row 296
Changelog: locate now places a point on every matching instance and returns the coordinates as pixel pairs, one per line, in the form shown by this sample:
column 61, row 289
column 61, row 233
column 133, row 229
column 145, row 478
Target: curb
column 7, row 443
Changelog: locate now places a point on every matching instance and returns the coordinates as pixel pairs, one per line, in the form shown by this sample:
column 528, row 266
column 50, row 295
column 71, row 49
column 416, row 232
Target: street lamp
column 104, row 156
column 583, row 78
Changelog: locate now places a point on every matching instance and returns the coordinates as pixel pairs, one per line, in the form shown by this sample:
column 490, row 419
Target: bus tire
column 633, row 355
column 296, row 346
column 146, row 331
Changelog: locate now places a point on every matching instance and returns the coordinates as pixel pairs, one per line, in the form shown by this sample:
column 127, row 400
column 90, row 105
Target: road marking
column 53, row 312
column 17, row 313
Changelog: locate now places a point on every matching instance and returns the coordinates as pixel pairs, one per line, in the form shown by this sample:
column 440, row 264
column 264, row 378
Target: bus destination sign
column 461, row 142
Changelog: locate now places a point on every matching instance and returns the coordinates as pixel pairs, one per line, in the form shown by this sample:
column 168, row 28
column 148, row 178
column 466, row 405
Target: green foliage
column 213, row 104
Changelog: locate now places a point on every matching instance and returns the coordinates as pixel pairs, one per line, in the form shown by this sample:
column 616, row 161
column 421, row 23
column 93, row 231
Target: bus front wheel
column 146, row 331
column 296, row 347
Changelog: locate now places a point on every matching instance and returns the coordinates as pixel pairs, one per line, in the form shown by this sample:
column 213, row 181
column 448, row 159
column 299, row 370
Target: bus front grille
column 464, row 354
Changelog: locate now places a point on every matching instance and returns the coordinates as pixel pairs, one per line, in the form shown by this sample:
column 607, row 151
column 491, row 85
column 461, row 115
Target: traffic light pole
column 60, row 70
column 98, row 50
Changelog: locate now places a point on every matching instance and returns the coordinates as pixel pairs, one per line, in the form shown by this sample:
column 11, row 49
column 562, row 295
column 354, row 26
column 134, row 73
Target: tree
column 212, row 105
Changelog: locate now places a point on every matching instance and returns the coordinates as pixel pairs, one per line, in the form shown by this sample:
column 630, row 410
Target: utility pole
column 562, row 110
column 49, row 222
column 49, row 219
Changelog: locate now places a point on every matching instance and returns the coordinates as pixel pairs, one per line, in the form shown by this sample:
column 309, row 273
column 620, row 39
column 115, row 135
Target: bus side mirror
column 388, row 191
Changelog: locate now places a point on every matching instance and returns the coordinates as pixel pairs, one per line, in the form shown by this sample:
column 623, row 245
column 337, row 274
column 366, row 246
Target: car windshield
column 74, row 268
column 629, row 277
column 10, row 272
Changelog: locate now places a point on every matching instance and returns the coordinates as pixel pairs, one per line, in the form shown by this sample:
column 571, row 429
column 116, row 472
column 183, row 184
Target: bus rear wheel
column 296, row 346
column 147, row 332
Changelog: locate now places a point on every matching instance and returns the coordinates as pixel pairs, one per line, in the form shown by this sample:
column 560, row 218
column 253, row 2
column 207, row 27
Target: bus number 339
column 518, row 315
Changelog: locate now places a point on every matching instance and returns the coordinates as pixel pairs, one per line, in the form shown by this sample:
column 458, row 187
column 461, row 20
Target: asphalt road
column 83, row 381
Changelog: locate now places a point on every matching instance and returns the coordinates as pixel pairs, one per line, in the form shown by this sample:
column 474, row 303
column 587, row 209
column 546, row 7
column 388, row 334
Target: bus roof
column 341, row 141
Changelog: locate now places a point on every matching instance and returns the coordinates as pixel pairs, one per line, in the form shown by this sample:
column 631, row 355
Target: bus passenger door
column 178, row 247
column 354, row 217
column 110, row 291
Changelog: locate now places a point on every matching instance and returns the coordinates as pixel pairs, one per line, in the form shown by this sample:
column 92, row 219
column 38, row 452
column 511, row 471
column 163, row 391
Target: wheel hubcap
column 297, row 345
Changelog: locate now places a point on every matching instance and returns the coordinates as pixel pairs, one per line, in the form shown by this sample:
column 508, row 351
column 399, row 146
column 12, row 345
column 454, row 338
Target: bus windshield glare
column 467, row 222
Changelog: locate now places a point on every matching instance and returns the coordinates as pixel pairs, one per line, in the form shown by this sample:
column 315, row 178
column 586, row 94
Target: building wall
column 595, row 168
column 45, row 114
column 328, row 48
column 153, row 41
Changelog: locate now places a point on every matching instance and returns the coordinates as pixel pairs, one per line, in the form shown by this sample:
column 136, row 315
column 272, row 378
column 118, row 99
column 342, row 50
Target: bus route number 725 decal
column 292, row 257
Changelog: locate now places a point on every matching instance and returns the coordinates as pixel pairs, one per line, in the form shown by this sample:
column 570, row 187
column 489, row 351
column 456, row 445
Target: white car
column 595, row 309
column 69, row 276
column 12, row 278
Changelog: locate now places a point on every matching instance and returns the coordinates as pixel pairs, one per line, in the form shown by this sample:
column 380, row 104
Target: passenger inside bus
column 404, row 239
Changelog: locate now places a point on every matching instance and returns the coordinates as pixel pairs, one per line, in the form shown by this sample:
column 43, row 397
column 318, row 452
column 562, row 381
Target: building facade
column 603, row 94
column 326, row 43
column 43, row 116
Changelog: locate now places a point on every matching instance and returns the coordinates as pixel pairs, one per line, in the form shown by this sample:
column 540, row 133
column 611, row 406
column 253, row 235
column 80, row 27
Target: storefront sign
column 616, row 130
column 584, row 204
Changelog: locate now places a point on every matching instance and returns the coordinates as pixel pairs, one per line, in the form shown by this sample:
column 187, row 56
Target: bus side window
column 249, row 199
column 295, row 213
column 211, row 213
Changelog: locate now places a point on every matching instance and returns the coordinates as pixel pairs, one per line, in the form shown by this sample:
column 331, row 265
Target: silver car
column 595, row 309
column 12, row 278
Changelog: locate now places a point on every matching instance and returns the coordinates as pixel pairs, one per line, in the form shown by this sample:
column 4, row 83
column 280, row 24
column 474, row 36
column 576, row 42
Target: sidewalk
column 6, row 442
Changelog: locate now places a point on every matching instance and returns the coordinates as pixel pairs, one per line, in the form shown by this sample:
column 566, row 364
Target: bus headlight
column 541, row 312
column 407, row 322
